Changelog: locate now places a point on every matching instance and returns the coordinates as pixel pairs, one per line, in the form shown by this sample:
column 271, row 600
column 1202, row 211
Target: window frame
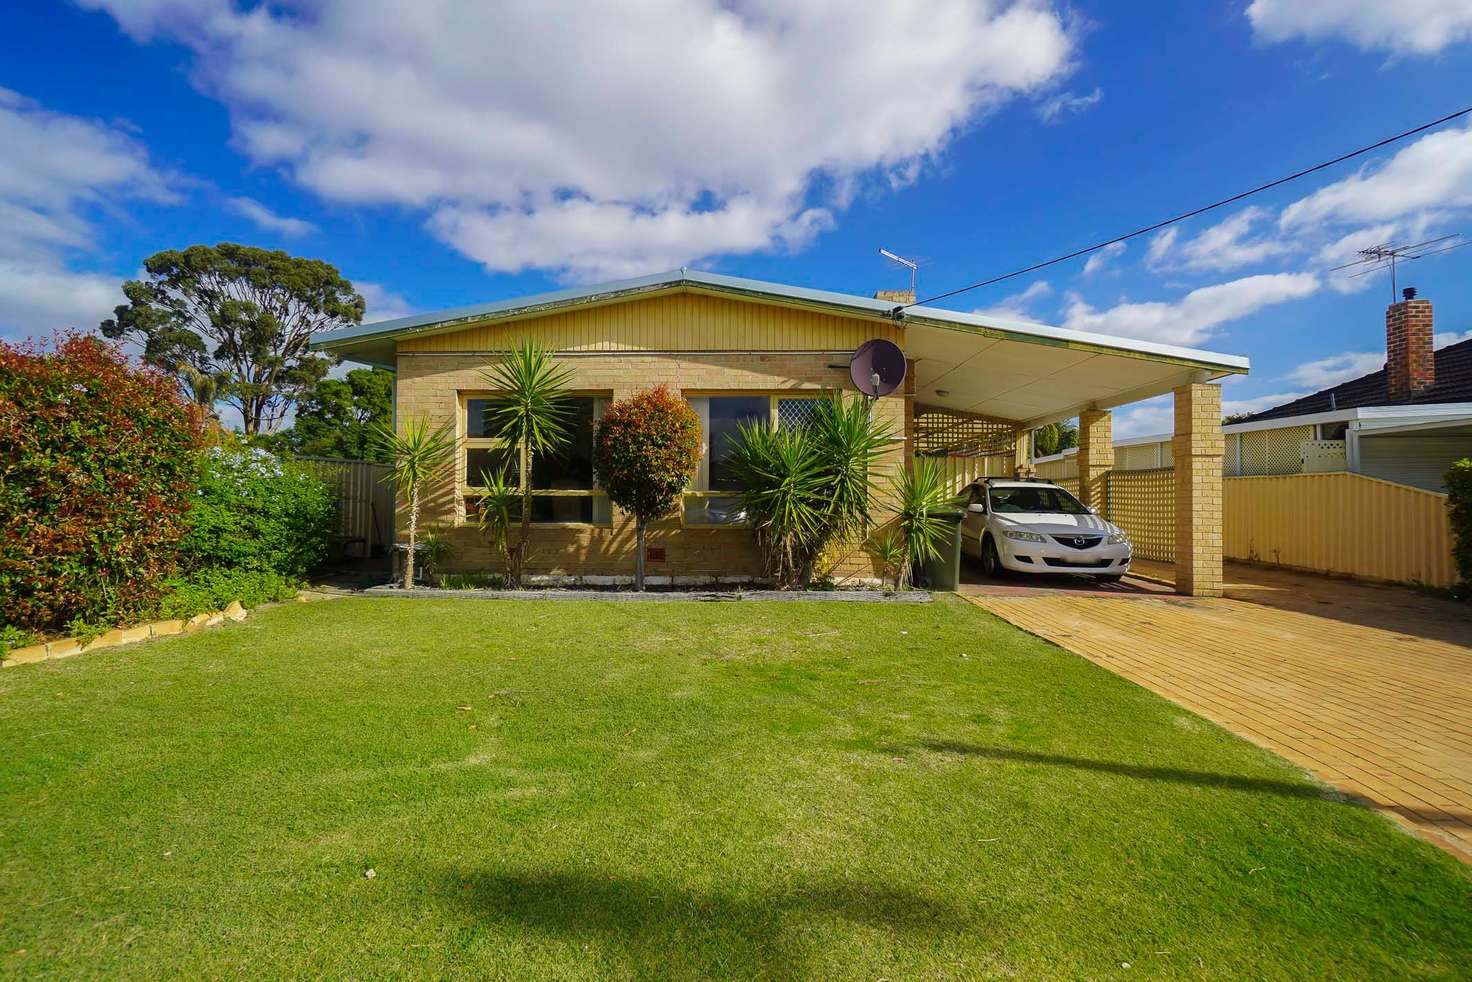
column 699, row 486
column 465, row 493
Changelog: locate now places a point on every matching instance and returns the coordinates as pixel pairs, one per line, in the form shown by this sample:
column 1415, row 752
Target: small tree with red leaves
column 99, row 460
column 644, row 453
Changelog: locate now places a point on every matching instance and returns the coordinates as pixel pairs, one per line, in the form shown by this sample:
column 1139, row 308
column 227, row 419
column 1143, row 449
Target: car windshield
column 1010, row 501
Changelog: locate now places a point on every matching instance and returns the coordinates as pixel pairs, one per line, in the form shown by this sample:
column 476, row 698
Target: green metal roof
column 377, row 338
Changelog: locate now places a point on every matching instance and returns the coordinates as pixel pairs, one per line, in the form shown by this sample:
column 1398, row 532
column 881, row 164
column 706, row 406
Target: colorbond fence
column 1340, row 523
column 365, row 499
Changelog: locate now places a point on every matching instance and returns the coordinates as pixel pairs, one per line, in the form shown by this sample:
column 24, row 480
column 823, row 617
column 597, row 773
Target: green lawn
column 551, row 789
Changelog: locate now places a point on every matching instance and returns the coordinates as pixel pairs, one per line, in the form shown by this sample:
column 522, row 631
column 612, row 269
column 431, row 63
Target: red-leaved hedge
column 98, row 464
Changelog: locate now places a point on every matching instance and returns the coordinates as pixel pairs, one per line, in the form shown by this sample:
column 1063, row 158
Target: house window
column 1333, row 431
column 562, row 485
column 710, row 500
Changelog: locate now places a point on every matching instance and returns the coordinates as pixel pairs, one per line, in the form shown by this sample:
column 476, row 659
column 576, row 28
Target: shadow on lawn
column 661, row 931
column 1177, row 775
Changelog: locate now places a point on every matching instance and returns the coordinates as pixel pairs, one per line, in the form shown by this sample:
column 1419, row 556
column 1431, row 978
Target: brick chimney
column 895, row 296
column 1410, row 364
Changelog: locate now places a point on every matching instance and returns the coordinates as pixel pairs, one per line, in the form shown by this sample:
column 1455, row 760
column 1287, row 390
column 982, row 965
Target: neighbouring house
column 1406, row 423
column 1346, row 480
column 741, row 349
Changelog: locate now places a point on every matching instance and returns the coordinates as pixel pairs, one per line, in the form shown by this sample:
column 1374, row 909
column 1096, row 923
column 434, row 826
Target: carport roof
column 976, row 363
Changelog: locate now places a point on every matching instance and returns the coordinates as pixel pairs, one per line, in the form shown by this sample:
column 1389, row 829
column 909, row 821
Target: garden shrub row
column 115, row 507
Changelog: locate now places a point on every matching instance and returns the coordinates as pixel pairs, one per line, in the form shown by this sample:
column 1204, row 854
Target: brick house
column 742, row 349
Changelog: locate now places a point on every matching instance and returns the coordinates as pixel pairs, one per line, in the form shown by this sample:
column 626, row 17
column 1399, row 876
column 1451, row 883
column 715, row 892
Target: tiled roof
column 1453, row 384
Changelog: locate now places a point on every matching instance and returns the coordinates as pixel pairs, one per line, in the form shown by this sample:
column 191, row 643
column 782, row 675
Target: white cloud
column 609, row 138
column 1419, row 27
column 1443, row 338
column 37, row 299
column 1324, row 372
column 1161, row 243
column 1148, row 418
column 382, row 304
column 1017, row 306
column 1229, row 244
column 55, row 171
column 1196, row 316
column 1053, row 109
column 1101, row 259
column 1433, row 174
column 1157, row 417
column 267, row 219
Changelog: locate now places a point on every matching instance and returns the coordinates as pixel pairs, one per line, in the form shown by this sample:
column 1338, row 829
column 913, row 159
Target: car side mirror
column 976, row 508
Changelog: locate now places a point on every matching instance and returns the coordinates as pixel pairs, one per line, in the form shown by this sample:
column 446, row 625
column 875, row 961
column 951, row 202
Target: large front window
column 562, row 485
column 713, row 498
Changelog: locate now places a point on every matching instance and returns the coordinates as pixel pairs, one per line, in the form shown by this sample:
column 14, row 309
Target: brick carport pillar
column 1095, row 456
column 1197, row 448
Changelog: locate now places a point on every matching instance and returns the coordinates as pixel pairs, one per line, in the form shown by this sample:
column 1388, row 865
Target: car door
column 974, row 524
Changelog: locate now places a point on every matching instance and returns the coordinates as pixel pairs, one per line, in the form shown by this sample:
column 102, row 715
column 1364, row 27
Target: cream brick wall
column 1095, row 456
column 430, row 385
column 1197, row 448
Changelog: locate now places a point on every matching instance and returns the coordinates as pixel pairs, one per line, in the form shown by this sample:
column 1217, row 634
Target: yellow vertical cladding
column 680, row 321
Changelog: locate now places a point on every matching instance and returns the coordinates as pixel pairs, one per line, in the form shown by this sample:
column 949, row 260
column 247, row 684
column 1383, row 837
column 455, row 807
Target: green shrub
column 213, row 589
column 646, row 450
column 98, row 463
column 256, row 512
column 1459, row 503
column 12, row 637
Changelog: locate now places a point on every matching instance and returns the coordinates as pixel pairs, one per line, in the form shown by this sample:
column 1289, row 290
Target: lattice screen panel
column 1277, row 451
column 1143, row 503
column 940, row 432
column 1069, row 484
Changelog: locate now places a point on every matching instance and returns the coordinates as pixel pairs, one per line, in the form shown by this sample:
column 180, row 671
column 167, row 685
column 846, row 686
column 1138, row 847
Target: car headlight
column 1025, row 536
column 1118, row 539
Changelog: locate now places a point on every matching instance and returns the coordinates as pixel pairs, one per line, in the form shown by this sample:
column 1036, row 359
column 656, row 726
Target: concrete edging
column 654, row 596
column 67, row 647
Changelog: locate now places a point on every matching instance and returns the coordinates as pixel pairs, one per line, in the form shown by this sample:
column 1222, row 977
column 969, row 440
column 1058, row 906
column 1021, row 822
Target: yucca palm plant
column 888, row 550
column 500, row 503
column 784, row 493
column 851, row 443
column 419, row 456
column 806, row 487
column 921, row 495
column 531, row 412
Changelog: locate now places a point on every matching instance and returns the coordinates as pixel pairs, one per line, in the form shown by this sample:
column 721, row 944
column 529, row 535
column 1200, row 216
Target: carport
column 981, row 384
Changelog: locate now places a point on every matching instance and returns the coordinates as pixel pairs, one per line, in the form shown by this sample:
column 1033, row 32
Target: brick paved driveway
column 1368, row 687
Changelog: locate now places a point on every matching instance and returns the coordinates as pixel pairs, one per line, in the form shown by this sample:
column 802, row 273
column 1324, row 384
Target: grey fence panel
column 365, row 498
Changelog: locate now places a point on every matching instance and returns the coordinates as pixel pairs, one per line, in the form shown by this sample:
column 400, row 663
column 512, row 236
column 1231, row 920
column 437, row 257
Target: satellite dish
column 877, row 368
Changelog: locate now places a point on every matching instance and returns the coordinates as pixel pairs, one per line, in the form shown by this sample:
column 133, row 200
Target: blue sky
column 458, row 153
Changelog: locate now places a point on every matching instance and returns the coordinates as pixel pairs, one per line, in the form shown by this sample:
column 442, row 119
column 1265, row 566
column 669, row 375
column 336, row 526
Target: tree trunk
column 639, row 554
column 526, row 530
column 413, row 533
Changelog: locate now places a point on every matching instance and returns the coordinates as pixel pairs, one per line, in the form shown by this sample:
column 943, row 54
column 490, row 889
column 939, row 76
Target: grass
column 562, row 790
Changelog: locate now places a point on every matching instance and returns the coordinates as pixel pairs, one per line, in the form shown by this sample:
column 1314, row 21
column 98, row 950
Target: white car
column 1037, row 527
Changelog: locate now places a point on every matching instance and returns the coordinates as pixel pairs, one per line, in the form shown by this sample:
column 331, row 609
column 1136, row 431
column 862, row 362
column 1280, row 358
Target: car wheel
column 1111, row 578
column 991, row 563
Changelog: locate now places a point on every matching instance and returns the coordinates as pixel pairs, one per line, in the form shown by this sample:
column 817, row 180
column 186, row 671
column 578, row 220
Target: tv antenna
column 909, row 264
column 1388, row 256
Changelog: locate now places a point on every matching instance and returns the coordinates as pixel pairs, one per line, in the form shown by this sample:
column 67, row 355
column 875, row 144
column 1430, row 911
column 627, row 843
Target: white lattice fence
column 1143, row 503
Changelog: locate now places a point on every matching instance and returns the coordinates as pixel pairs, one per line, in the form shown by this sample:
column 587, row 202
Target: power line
column 1189, row 214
